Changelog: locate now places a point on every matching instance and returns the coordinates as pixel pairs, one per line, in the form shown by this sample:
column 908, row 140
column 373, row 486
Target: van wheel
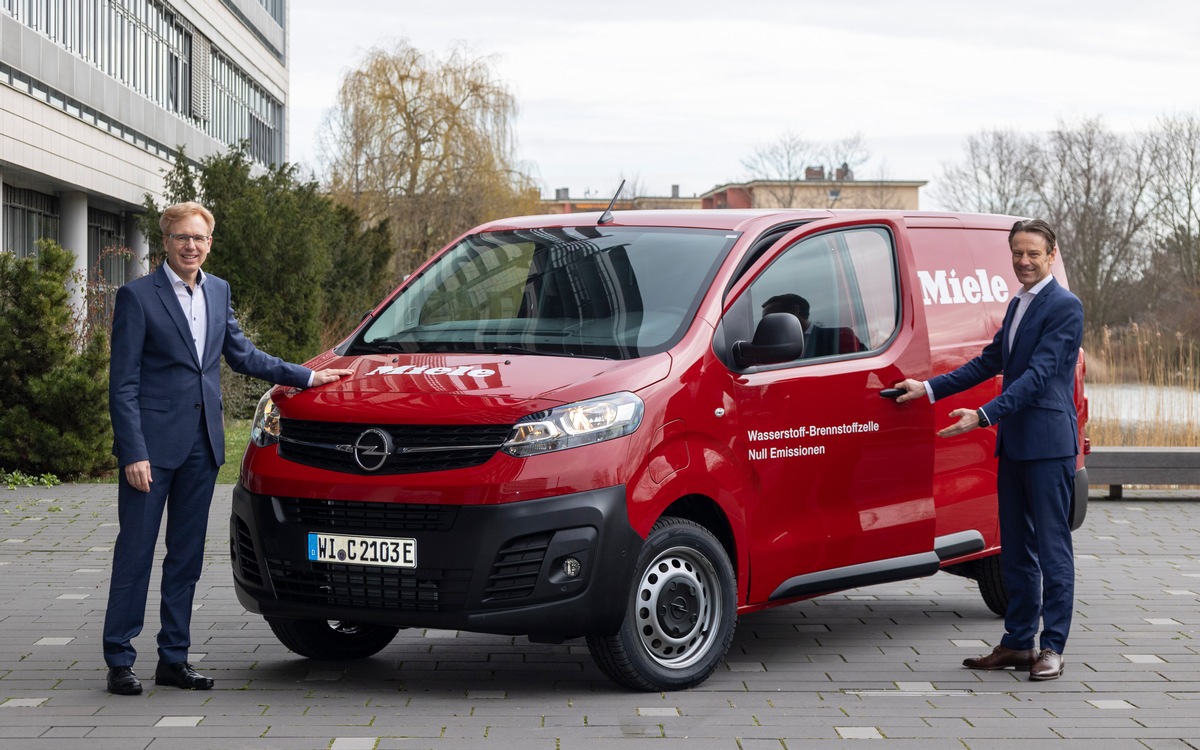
column 991, row 584
column 333, row 640
column 681, row 613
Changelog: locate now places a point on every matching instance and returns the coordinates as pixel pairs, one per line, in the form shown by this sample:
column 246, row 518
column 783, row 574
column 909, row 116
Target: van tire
column 991, row 584
column 684, row 594
column 334, row 640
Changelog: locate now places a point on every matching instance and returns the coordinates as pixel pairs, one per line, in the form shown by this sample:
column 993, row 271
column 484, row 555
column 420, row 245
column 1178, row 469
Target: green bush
column 54, row 383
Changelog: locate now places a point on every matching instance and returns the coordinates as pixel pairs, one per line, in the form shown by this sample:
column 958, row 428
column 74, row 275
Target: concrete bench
column 1117, row 466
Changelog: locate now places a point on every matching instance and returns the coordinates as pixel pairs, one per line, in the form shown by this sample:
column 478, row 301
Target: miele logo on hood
column 471, row 371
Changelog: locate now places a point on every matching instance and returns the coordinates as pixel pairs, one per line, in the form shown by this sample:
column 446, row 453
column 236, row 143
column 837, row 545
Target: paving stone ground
column 880, row 664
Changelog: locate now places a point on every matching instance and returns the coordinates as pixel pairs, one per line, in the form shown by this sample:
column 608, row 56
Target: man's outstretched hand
column 968, row 419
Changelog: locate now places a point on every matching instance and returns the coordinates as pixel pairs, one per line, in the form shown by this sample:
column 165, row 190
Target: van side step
column 882, row 571
column 864, row 574
column 958, row 544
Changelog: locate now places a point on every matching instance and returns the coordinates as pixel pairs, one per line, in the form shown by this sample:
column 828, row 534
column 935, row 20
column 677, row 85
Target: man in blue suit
column 170, row 329
column 1037, row 443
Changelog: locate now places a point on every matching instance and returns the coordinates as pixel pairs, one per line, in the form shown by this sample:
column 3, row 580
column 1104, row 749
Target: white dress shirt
column 194, row 306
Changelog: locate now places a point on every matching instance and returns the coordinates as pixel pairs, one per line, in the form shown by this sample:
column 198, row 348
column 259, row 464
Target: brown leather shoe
column 1049, row 666
column 1003, row 657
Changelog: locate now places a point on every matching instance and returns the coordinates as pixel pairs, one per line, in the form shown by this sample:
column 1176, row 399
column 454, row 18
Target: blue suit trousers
column 186, row 495
column 1036, row 554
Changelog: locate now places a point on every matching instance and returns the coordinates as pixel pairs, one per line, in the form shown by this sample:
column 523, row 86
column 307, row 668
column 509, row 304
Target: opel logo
column 372, row 449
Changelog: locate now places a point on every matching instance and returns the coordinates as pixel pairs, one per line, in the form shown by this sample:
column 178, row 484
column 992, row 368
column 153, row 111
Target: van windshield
column 590, row 291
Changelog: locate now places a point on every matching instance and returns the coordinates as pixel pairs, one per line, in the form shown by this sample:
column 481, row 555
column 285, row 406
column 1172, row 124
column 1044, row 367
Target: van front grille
column 333, row 515
column 415, row 448
column 370, row 587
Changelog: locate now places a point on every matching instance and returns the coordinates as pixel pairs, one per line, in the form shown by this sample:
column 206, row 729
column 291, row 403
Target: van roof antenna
column 607, row 216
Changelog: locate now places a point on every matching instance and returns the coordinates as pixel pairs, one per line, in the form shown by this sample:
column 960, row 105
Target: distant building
column 817, row 190
column 563, row 203
column 97, row 95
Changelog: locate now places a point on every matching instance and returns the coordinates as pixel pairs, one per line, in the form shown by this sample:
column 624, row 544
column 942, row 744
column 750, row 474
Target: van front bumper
column 503, row 569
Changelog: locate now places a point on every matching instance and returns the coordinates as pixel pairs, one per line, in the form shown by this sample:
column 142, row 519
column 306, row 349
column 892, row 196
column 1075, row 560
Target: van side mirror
column 778, row 338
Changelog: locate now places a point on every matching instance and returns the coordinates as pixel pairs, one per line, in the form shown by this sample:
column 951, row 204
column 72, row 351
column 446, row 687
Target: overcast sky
column 679, row 93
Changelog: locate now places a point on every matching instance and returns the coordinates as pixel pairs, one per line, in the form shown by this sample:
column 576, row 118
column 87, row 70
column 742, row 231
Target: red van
column 633, row 428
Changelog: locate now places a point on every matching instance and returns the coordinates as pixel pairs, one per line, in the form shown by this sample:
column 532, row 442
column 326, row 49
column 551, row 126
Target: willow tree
column 996, row 176
column 426, row 144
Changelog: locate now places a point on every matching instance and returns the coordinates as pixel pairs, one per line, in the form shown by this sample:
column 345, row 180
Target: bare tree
column 995, row 176
column 1093, row 186
column 426, row 144
column 1176, row 188
column 1174, row 280
column 782, row 165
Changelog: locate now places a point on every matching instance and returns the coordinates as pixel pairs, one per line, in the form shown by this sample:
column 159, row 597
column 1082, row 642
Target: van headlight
column 264, row 430
column 573, row 425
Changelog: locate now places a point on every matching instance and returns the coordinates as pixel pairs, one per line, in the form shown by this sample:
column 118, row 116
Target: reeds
column 1143, row 387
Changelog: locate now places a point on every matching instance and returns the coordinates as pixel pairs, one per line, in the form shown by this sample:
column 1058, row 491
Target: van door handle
column 891, row 393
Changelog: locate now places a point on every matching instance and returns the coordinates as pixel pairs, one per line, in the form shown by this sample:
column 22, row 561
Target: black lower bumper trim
column 496, row 569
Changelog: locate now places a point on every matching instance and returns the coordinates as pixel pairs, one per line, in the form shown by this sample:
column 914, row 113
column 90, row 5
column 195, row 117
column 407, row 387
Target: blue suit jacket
column 158, row 389
column 1035, row 410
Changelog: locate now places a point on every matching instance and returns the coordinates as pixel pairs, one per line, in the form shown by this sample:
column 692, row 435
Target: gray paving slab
column 879, row 664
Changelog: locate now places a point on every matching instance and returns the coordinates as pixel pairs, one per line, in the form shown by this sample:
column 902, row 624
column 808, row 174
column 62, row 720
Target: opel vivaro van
column 634, row 428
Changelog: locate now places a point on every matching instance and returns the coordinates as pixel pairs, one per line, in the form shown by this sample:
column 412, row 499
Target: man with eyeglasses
column 170, row 330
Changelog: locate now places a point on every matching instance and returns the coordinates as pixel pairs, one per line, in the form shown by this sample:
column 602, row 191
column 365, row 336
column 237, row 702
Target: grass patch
column 237, row 435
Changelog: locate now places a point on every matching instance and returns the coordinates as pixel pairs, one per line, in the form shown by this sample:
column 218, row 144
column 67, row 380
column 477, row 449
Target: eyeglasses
column 199, row 239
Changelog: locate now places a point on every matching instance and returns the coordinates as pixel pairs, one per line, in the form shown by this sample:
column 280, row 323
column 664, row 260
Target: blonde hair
column 180, row 211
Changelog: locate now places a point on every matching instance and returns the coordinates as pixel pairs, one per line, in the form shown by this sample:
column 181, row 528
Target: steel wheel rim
column 677, row 607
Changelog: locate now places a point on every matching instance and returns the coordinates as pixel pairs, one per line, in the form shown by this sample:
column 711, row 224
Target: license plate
column 362, row 550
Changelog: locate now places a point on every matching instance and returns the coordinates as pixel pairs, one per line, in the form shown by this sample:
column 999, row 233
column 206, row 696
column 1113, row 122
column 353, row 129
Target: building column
column 72, row 234
column 2, row 247
column 138, row 262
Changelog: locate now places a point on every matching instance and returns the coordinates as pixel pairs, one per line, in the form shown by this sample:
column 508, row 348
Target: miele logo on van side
column 471, row 371
column 940, row 288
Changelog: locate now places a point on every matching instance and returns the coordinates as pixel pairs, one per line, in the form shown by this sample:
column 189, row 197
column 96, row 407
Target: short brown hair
column 1035, row 226
column 181, row 211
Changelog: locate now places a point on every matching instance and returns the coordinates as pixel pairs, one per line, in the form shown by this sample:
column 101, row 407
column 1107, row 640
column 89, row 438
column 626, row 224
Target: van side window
column 841, row 285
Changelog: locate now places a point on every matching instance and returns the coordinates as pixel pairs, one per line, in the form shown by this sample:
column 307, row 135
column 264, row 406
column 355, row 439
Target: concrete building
column 565, row 203
column 97, row 95
column 817, row 190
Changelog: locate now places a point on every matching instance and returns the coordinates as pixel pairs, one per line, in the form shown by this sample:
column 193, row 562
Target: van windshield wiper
column 506, row 349
column 382, row 345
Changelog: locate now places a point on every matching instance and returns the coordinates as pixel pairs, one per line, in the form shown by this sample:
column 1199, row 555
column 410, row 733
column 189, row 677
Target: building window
column 141, row 43
column 107, row 254
column 242, row 111
column 29, row 216
column 148, row 47
column 275, row 8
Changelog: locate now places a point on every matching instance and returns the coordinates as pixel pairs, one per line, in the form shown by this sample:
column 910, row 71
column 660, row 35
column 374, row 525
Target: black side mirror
column 778, row 338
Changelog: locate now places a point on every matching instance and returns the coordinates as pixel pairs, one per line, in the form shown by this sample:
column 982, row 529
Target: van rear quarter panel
column 966, row 281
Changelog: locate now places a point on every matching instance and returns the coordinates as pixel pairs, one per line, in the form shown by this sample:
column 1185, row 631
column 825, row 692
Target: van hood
column 461, row 388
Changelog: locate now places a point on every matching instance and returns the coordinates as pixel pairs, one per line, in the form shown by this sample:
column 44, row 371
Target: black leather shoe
column 1049, row 666
column 1003, row 657
column 122, row 681
column 180, row 674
